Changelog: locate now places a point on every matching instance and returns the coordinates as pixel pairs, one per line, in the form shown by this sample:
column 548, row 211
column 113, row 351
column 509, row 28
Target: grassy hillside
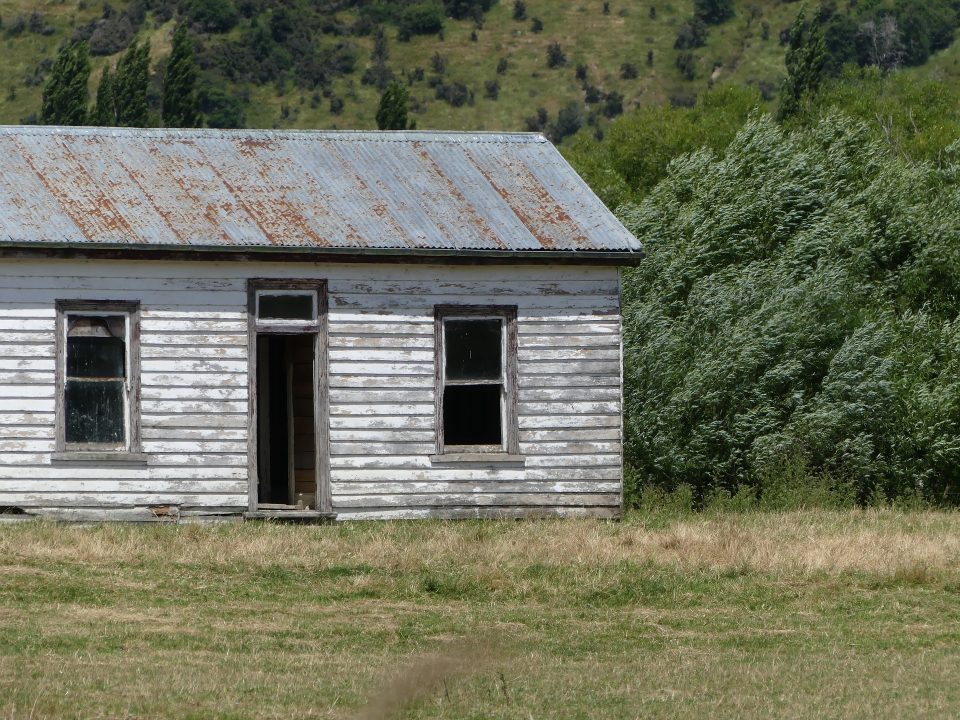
column 745, row 50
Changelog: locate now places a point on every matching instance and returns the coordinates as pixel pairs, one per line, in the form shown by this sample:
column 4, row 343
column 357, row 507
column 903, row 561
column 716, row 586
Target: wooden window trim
column 509, row 451
column 293, row 327
column 100, row 452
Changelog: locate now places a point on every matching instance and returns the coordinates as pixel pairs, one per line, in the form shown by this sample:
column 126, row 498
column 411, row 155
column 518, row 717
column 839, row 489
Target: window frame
column 130, row 310
column 510, row 444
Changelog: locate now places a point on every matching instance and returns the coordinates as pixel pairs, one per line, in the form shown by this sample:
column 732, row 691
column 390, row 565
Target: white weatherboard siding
column 381, row 364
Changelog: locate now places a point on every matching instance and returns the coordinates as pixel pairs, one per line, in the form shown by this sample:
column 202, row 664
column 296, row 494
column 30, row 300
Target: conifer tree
column 65, row 94
column 805, row 60
column 392, row 113
column 130, row 86
column 180, row 84
column 105, row 111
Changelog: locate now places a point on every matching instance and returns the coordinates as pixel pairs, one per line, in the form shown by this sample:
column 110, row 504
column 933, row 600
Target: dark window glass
column 94, row 411
column 95, row 357
column 471, row 415
column 286, row 307
column 473, row 349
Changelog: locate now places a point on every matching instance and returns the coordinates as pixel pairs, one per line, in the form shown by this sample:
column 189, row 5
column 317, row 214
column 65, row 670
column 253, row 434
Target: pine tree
column 65, row 94
column 392, row 113
column 105, row 111
column 180, row 84
column 805, row 60
column 130, row 86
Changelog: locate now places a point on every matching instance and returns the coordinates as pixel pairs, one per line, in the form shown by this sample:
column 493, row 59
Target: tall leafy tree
column 65, row 94
column 392, row 113
column 130, row 86
column 180, row 105
column 105, row 111
column 806, row 60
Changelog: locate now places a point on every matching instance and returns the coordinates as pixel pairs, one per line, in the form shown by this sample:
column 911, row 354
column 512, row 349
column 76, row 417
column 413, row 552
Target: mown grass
column 727, row 615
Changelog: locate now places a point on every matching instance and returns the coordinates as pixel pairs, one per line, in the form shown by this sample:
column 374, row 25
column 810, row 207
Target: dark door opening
column 286, row 447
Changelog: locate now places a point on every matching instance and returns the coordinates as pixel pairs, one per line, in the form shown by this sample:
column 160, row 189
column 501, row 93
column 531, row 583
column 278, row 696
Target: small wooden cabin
column 305, row 324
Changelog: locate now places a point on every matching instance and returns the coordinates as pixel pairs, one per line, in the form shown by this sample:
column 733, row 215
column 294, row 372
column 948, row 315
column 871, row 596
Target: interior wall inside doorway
column 286, row 452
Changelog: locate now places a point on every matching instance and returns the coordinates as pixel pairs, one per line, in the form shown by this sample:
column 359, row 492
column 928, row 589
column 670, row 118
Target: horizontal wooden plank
column 566, row 326
column 166, row 351
column 469, row 473
column 150, row 365
column 22, row 390
column 381, row 447
column 381, row 368
column 568, row 394
column 539, row 422
column 13, row 405
column 569, row 381
column 136, row 282
column 37, row 337
column 193, row 433
column 380, row 395
column 82, row 472
column 480, row 486
column 577, row 354
column 579, row 367
column 594, row 302
column 402, row 422
column 17, row 417
column 421, row 327
column 437, row 500
column 14, row 377
column 379, row 409
column 190, row 299
column 124, row 486
column 560, row 407
column 381, row 435
column 412, row 462
column 23, row 459
column 203, row 323
column 565, row 447
column 194, row 447
column 569, row 435
column 194, row 393
column 234, row 380
column 189, row 337
column 17, row 432
column 382, row 355
column 46, row 324
column 382, row 342
column 495, row 287
column 477, row 513
column 48, row 499
column 526, row 341
column 385, row 382
column 27, row 350
column 188, row 420
column 189, row 407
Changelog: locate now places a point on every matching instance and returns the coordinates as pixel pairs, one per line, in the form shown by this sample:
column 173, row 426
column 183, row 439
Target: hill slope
column 740, row 50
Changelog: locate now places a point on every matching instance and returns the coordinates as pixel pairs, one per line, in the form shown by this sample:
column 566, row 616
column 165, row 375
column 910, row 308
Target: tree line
column 121, row 97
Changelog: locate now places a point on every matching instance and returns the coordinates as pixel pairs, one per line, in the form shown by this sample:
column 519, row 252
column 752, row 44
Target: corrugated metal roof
column 335, row 190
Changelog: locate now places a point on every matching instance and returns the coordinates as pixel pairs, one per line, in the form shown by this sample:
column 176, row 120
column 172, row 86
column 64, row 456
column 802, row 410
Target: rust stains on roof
column 214, row 188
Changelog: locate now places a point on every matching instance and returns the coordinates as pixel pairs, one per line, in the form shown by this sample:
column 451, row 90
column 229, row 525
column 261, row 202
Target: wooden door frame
column 319, row 329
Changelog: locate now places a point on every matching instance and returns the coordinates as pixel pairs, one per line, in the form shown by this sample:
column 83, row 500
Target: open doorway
column 286, row 445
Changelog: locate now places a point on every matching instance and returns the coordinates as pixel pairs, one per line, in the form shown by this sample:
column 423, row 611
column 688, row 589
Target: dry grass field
column 807, row 614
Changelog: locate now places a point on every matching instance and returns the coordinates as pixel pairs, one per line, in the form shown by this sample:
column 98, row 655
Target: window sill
column 95, row 457
column 490, row 458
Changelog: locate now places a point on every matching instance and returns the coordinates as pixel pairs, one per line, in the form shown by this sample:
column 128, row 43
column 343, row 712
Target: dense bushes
column 797, row 309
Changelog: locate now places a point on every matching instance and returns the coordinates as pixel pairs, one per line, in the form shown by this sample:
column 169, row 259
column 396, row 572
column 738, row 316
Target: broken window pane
column 474, row 349
column 286, row 307
column 471, row 415
column 94, row 412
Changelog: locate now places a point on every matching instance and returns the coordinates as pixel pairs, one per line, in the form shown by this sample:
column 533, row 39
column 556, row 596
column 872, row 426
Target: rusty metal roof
column 360, row 191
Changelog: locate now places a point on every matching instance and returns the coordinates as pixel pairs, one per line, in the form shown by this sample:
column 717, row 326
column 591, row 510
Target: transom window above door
column 278, row 306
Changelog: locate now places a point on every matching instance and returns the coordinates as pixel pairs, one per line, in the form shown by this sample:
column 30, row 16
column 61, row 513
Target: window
column 280, row 306
column 476, row 378
column 97, row 376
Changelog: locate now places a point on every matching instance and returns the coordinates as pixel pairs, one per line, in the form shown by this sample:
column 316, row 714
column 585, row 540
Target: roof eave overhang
column 275, row 253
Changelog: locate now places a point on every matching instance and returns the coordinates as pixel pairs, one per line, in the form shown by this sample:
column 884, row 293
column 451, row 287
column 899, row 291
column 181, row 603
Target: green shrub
column 421, row 18
column 793, row 325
